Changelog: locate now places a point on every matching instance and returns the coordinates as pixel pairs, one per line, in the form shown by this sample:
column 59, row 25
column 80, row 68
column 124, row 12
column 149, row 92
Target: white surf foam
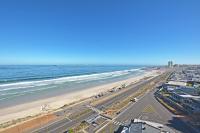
column 81, row 78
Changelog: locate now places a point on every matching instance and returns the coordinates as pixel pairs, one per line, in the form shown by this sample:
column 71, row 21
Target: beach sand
column 34, row 108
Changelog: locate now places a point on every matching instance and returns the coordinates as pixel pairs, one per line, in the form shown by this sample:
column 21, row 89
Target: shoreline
column 34, row 108
column 51, row 88
column 58, row 91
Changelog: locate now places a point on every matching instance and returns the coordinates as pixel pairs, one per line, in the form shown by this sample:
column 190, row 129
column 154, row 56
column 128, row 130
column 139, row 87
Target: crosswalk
column 119, row 123
column 94, row 109
column 114, row 121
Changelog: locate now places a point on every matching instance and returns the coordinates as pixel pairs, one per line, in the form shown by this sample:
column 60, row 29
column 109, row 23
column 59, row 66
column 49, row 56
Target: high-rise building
column 170, row 63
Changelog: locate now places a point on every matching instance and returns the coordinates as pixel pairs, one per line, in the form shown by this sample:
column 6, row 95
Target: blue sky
column 99, row 31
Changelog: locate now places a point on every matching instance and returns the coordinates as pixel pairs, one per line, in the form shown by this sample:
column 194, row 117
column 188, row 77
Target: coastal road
column 64, row 124
column 149, row 109
column 130, row 90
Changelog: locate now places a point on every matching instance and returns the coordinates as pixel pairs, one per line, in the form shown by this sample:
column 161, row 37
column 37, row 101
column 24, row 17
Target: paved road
column 130, row 90
column 63, row 124
column 148, row 108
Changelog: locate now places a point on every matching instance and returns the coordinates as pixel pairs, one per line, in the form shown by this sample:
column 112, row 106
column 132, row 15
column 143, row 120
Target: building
column 140, row 126
column 186, row 97
column 176, row 83
column 190, row 103
column 170, row 63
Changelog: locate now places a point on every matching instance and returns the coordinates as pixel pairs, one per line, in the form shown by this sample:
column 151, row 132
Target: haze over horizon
column 100, row 32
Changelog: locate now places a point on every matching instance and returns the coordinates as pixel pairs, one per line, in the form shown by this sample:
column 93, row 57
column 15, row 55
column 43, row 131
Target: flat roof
column 178, row 83
column 141, row 126
column 189, row 96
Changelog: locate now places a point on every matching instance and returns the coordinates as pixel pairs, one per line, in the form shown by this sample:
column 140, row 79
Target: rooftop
column 140, row 126
column 177, row 83
column 190, row 96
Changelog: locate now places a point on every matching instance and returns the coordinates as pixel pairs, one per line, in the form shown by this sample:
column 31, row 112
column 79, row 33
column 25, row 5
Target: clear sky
column 99, row 31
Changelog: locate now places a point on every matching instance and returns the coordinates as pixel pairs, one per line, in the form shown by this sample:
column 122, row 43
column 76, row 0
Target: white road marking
column 46, row 127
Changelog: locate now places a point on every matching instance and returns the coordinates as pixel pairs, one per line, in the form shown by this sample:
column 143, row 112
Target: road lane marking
column 58, row 127
column 47, row 126
column 131, row 105
column 103, row 126
column 100, row 125
column 128, row 107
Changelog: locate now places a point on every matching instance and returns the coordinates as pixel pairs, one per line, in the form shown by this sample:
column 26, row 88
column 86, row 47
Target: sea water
column 25, row 83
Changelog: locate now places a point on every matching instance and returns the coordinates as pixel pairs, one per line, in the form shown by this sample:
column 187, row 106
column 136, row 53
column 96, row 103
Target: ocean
column 25, row 83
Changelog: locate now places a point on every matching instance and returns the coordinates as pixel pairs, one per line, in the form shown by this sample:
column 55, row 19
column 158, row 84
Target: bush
column 71, row 131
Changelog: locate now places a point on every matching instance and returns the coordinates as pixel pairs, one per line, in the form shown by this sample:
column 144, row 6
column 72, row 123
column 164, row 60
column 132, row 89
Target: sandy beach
column 33, row 108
